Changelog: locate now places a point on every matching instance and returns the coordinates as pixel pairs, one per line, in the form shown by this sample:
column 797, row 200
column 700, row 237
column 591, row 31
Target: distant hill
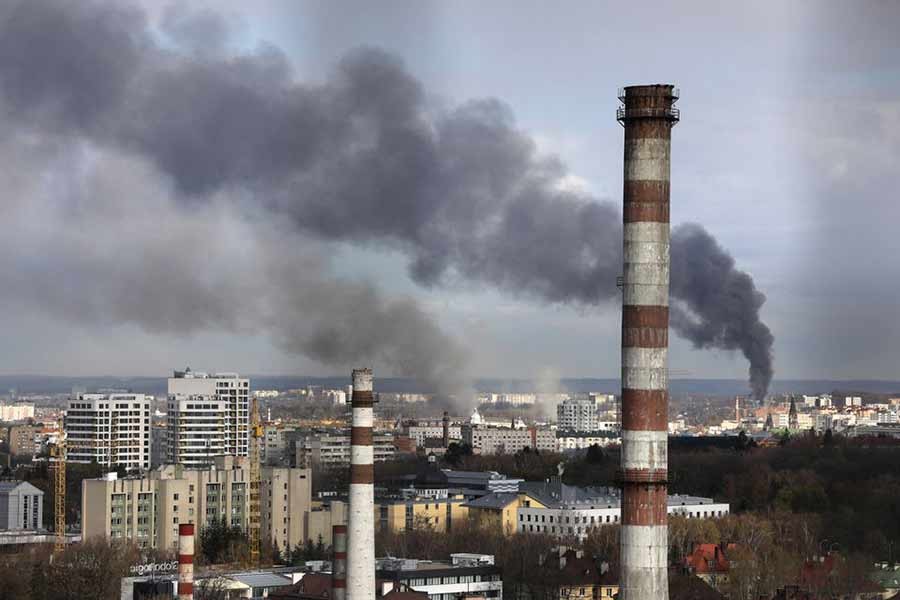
column 46, row 384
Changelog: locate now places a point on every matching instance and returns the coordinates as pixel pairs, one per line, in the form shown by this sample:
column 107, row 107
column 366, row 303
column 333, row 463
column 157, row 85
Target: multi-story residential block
column 147, row 510
column 430, row 430
column 109, row 429
column 333, row 450
column 506, row 440
column 16, row 412
column 578, row 415
column 207, row 416
column 23, row 440
column 275, row 444
column 21, row 506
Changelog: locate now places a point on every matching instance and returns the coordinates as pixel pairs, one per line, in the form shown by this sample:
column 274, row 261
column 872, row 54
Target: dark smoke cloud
column 718, row 305
column 362, row 158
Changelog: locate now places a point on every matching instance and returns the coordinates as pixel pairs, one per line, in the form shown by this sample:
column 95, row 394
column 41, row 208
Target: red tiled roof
column 707, row 558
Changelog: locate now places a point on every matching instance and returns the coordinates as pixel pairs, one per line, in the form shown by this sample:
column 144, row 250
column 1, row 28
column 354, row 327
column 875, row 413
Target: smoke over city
column 183, row 187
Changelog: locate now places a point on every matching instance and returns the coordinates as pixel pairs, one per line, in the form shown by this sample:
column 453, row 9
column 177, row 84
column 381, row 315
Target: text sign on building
column 148, row 568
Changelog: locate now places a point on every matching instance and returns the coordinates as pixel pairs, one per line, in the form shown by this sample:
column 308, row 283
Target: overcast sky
column 788, row 152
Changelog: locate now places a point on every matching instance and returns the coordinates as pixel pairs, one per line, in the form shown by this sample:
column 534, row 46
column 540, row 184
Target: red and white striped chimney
column 185, row 561
column 339, row 562
column 648, row 117
column 361, row 520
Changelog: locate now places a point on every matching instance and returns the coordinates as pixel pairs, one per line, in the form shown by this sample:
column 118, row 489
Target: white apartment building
column 109, row 429
column 16, row 412
column 484, row 439
column 582, row 511
column 578, row 415
column 568, row 441
column 147, row 510
column 423, row 431
column 333, row 450
column 208, row 415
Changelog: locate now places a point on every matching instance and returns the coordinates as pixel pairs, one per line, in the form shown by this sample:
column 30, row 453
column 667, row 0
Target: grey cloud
column 362, row 158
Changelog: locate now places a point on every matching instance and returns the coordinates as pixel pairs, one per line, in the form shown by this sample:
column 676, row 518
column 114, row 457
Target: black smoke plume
column 717, row 305
column 362, row 158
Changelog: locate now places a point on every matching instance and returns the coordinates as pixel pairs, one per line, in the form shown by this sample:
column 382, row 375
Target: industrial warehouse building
column 147, row 510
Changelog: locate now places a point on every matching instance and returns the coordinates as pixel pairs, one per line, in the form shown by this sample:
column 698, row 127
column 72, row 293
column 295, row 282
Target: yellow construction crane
column 58, row 467
column 256, row 434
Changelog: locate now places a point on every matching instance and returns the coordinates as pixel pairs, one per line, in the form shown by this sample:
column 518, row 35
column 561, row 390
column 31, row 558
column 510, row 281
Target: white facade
column 109, row 429
column 16, row 412
column 577, row 414
column 207, row 416
column 579, row 520
column 504, row 440
column 333, row 450
column 421, row 432
column 568, row 442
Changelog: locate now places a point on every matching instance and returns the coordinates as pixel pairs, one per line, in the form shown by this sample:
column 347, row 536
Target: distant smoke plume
column 719, row 305
column 361, row 158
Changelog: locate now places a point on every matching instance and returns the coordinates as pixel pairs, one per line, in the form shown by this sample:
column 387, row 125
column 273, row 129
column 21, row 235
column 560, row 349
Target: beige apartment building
column 147, row 510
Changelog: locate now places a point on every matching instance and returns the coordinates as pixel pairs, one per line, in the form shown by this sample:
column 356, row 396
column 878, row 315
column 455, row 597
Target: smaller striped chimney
column 446, row 429
column 186, row 561
column 361, row 520
column 339, row 562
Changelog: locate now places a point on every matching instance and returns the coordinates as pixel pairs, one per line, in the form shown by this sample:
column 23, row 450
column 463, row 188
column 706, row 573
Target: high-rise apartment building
column 577, row 414
column 148, row 510
column 109, row 429
column 207, row 416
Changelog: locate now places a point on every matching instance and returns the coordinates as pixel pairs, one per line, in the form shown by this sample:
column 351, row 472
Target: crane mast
column 256, row 433
column 59, row 488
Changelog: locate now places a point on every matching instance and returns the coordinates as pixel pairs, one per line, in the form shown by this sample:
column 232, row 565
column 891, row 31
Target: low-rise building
column 569, row 441
column 21, row 506
column 406, row 514
column 498, row 510
column 147, row 510
column 463, row 576
column 709, row 563
column 554, row 508
column 567, row 574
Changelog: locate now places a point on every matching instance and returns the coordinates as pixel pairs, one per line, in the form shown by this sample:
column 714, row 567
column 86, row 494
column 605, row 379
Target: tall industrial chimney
column 361, row 557
column 185, row 561
column 339, row 562
column 446, row 423
column 648, row 116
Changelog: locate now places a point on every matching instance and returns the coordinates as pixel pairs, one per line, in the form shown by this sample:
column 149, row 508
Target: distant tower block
column 361, row 521
column 648, row 115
